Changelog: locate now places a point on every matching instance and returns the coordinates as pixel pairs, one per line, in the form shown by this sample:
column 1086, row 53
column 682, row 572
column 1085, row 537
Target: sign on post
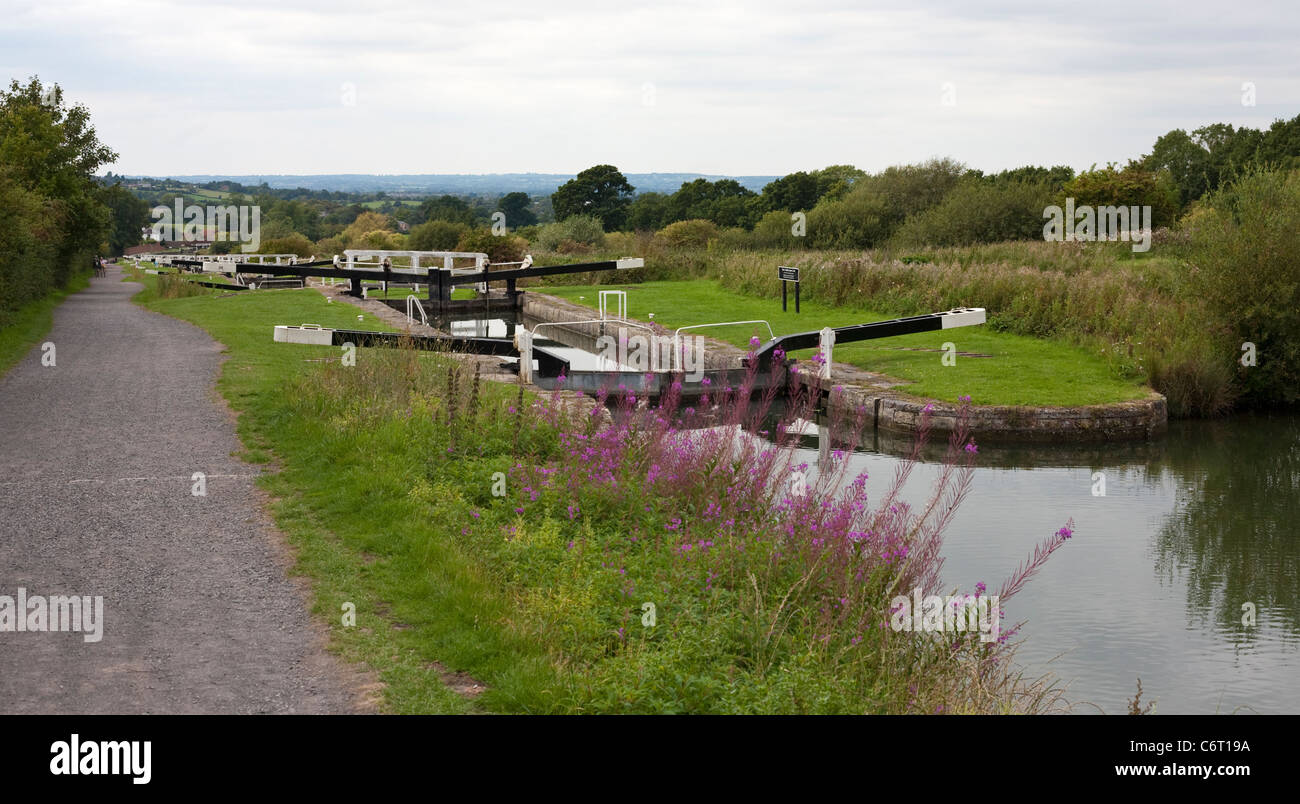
column 787, row 275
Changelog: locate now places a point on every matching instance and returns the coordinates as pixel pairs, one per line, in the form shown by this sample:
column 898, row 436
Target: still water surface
column 1152, row 586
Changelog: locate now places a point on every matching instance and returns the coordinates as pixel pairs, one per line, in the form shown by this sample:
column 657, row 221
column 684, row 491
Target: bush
column 688, row 234
column 626, row 244
column 1245, row 263
column 1132, row 186
column 328, row 247
column 436, row 236
column 293, row 244
column 776, row 230
column 861, row 219
column 980, row 211
column 583, row 229
column 499, row 248
column 732, row 239
column 573, row 247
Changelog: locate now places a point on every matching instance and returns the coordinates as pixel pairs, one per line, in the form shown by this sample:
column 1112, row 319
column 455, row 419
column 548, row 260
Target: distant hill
column 461, row 183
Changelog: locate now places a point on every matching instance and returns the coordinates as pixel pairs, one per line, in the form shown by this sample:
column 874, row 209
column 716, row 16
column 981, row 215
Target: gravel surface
column 96, row 459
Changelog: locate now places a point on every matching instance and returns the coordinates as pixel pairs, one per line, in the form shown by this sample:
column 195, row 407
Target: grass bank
column 23, row 328
column 484, row 531
column 994, row 368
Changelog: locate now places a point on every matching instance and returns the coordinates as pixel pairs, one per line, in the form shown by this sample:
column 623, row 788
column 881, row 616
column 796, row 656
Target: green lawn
column 1019, row 370
column 27, row 325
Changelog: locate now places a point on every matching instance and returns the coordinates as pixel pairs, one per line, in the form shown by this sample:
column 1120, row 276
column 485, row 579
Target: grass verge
column 28, row 324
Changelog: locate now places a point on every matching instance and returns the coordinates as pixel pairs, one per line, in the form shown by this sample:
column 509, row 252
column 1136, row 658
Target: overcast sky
column 403, row 86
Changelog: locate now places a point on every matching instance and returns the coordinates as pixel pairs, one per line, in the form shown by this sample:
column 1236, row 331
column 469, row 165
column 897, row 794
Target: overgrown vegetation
column 764, row 599
column 55, row 219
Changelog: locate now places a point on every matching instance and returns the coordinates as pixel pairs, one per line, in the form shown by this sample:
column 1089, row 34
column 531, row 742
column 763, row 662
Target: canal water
column 1194, row 531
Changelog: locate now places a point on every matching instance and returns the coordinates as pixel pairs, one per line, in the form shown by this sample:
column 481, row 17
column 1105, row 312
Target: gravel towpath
column 97, row 456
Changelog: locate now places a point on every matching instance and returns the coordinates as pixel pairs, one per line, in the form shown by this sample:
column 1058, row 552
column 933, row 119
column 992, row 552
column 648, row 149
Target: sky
column 404, row 86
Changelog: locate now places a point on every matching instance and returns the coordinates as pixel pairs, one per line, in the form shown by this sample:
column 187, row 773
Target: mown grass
column 23, row 328
column 385, row 485
column 1019, row 370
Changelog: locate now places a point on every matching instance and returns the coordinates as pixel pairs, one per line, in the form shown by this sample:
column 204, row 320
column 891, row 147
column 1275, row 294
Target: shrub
column 688, row 234
column 1132, row 186
column 573, row 247
column 579, row 229
column 732, row 238
column 327, row 247
column 775, row 230
column 861, row 219
column 1245, row 262
column 499, row 248
column 293, row 244
column 437, row 235
column 980, row 211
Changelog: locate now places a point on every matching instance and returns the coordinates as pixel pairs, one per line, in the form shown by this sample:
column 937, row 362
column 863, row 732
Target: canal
column 1194, row 531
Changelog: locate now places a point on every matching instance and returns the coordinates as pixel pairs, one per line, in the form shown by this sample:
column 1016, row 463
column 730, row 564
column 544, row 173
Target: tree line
column 940, row 202
column 57, row 215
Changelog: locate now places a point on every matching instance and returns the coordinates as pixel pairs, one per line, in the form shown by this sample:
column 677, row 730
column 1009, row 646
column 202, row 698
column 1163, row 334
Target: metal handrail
column 677, row 336
column 424, row 318
column 588, row 321
column 727, row 324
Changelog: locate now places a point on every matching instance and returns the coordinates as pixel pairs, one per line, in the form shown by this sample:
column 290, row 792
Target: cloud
column 247, row 87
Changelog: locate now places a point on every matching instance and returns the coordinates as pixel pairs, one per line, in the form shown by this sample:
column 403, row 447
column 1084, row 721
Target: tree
column 365, row 223
column 516, row 209
column 834, row 181
column 1132, row 186
column 796, row 192
column 601, row 191
column 725, row 202
column 51, row 206
column 129, row 214
column 436, row 236
column 448, row 208
column 648, row 213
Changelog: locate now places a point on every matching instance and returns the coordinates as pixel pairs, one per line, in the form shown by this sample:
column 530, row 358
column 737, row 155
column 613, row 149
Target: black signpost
column 788, row 275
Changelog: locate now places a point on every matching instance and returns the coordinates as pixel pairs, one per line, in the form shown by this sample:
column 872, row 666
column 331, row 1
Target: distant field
column 395, row 202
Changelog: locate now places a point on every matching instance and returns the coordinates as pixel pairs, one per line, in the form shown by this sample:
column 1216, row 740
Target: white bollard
column 524, row 340
column 826, row 345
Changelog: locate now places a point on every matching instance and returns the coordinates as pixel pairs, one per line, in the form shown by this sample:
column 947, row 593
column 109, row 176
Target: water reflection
column 1232, row 539
column 1192, row 526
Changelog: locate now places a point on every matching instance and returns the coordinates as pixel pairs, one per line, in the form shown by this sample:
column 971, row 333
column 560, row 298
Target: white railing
column 620, row 298
column 677, row 336
column 524, row 341
column 586, row 321
column 413, row 304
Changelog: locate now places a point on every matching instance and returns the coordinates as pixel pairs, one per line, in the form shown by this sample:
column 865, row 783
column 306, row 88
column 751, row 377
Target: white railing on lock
column 677, row 336
column 620, row 298
column 413, row 304
column 524, row 341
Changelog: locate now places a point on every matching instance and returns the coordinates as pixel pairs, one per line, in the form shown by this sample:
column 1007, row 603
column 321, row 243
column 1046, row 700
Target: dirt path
column 97, row 455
